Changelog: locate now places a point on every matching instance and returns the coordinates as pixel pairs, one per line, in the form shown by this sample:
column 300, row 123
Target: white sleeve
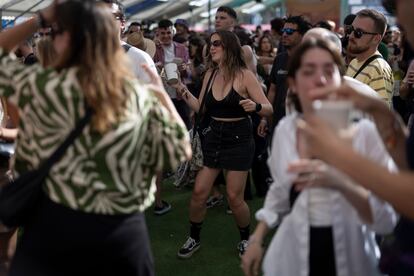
column 277, row 204
column 384, row 216
column 137, row 58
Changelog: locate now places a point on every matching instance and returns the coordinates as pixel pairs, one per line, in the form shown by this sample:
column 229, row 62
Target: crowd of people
column 335, row 191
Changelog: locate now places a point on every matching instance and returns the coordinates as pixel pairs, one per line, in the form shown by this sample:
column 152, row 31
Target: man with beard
column 369, row 66
column 293, row 30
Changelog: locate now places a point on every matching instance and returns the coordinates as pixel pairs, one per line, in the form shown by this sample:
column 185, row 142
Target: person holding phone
column 329, row 223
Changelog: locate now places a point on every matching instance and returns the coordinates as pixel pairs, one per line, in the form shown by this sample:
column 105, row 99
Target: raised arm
column 192, row 101
column 11, row 37
column 390, row 126
column 395, row 188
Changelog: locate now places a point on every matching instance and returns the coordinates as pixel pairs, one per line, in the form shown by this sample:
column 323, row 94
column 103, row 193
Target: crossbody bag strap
column 366, row 63
column 75, row 133
column 203, row 101
column 208, row 88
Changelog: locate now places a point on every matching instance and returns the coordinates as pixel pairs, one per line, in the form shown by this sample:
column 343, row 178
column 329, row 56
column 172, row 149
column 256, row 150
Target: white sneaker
column 188, row 249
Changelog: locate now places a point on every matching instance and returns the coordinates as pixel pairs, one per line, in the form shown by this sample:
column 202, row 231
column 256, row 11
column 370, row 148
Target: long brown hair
column 233, row 56
column 45, row 51
column 95, row 49
column 259, row 48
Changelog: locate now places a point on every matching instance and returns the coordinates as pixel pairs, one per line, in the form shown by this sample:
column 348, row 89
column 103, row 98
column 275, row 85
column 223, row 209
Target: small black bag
column 19, row 198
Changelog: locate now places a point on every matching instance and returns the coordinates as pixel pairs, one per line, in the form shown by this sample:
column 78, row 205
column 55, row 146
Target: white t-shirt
column 138, row 57
column 169, row 53
column 169, row 56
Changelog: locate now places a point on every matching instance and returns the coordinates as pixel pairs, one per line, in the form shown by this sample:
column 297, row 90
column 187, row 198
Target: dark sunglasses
column 358, row 33
column 216, row 43
column 288, row 31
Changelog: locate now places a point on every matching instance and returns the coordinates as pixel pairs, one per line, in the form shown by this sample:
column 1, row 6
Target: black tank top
column 228, row 107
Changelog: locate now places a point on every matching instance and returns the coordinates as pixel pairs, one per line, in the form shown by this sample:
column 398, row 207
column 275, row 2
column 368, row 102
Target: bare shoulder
column 208, row 73
column 247, row 49
column 244, row 79
column 246, row 75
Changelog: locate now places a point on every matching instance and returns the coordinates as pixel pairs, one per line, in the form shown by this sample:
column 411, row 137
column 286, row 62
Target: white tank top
column 320, row 207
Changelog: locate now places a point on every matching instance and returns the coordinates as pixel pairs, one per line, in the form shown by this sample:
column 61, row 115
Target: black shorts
column 229, row 145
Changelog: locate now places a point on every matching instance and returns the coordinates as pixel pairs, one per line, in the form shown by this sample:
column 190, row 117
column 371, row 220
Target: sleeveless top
column 229, row 107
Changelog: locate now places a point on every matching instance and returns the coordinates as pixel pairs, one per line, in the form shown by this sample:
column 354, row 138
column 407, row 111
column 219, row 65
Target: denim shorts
column 229, row 145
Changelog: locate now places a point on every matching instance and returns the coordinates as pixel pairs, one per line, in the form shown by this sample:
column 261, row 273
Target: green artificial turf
column 219, row 237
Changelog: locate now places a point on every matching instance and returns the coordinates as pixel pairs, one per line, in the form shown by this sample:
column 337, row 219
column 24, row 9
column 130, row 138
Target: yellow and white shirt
column 377, row 74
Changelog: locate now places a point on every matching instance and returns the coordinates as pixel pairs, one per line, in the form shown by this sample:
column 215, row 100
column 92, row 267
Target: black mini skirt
column 229, row 145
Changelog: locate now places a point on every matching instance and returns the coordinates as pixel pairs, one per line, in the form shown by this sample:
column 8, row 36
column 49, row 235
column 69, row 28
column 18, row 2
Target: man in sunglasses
column 293, row 30
column 136, row 56
column 365, row 35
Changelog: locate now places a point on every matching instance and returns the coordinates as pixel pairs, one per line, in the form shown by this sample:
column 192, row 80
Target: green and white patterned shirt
column 102, row 174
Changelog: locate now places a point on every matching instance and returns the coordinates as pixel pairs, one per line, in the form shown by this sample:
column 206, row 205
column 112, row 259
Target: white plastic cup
column 171, row 73
column 337, row 114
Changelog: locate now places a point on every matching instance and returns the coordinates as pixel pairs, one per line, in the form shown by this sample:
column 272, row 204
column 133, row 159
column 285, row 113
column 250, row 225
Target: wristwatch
column 258, row 107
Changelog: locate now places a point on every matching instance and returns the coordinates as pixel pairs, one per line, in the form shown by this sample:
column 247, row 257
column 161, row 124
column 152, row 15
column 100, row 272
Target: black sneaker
column 161, row 210
column 188, row 249
column 242, row 246
column 214, row 201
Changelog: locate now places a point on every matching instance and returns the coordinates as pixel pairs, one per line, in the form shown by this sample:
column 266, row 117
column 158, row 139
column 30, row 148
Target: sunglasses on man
column 358, row 33
column 288, row 31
